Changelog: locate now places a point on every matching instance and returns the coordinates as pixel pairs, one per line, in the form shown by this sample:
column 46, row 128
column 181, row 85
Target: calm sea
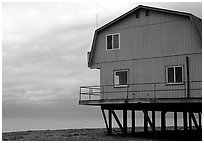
column 24, row 124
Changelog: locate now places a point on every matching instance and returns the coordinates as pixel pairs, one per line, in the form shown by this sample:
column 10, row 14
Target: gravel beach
column 99, row 134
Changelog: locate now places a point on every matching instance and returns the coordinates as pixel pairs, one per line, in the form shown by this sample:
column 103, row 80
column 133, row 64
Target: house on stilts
column 150, row 59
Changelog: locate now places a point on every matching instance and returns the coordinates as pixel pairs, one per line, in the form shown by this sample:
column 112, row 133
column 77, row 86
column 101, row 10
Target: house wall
column 147, row 46
column 152, row 71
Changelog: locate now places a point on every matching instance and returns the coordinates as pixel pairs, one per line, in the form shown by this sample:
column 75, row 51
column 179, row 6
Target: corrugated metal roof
column 197, row 22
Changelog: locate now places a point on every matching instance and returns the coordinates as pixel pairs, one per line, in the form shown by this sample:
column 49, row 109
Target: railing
column 142, row 90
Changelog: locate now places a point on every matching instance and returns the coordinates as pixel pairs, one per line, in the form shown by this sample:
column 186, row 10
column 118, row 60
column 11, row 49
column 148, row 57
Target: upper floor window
column 174, row 74
column 137, row 14
column 113, row 41
column 147, row 12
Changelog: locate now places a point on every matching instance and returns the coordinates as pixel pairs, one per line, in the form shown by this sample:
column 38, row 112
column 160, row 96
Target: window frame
column 112, row 42
column 120, row 86
column 174, row 67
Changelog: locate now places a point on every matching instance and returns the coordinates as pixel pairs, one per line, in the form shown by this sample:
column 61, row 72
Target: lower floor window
column 120, row 78
column 174, row 74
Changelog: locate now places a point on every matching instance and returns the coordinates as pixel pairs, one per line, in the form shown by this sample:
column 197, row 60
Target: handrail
column 152, row 88
column 141, row 83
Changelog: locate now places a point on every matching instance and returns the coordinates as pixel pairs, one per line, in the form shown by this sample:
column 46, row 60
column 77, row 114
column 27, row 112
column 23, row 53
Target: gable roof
column 197, row 22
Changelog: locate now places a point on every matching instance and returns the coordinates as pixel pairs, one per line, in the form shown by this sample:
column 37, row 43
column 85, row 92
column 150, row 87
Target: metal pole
column 80, row 94
column 187, row 78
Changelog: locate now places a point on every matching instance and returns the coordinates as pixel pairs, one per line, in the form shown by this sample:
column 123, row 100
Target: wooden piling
column 145, row 120
column 175, row 121
column 124, row 121
column 110, row 122
column 185, row 122
column 133, row 121
column 200, row 120
column 153, row 120
column 163, row 121
column 189, row 121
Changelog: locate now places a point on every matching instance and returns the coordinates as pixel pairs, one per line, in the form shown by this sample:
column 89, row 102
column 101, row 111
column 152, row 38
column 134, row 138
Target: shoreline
column 100, row 134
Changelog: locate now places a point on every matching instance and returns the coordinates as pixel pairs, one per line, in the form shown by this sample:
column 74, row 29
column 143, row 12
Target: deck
column 148, row 98
column 140, row 100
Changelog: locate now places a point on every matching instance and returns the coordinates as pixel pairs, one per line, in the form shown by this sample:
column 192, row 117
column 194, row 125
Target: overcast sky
column 44, row 47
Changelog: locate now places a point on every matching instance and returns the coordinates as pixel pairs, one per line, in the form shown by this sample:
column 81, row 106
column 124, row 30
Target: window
column 112, row 41
column 137, row 14
column 120, row 78
column 146, row 12
column 174, row 74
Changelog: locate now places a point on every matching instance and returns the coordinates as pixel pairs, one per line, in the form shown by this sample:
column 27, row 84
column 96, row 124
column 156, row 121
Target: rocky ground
column 100, row 134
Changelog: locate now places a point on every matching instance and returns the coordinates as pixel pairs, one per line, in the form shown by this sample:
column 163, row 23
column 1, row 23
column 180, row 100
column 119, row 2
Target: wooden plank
column 104, row 116
column 117, row 120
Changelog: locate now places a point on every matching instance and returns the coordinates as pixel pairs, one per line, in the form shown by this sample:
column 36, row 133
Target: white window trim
column 112, row 42
column 174, row 83
column 114, row 78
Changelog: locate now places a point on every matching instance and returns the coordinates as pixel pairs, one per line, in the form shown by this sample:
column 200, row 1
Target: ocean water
column 24, row 124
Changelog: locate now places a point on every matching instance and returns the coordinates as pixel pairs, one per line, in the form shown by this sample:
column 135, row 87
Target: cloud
column 44, row 48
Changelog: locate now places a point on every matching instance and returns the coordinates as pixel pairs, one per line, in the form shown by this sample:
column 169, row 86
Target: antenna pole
column 96, row 15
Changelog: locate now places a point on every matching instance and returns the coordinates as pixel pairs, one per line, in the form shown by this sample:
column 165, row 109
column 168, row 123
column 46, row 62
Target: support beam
column 200, row 120
column 194, row 121
column 175, row 121
column 117, row 120
column 189, row 121
column 163, row 121
column 110, row 122
column 133, row 121
column 153, row 120
column 104, row 116
column 185, row 121
column 145, row 120
column 148, row 120
column 124, row 121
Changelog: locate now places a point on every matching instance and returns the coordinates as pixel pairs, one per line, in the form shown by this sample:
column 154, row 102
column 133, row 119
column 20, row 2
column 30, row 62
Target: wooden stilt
column 153, row 120
column 117, row 120
column 163, row 121
column 133, row 121
column 110, row 122
column 124, row 121
column 145, row 120
column 189, row 120
column 194, row 121
column 200, row 120
column 104, row 116
column 175, row 121
column 185, row 122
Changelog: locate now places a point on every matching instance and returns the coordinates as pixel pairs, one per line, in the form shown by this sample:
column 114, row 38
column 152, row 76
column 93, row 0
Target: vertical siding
column 151, row 71
column 146, row 48
column 157, row 35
